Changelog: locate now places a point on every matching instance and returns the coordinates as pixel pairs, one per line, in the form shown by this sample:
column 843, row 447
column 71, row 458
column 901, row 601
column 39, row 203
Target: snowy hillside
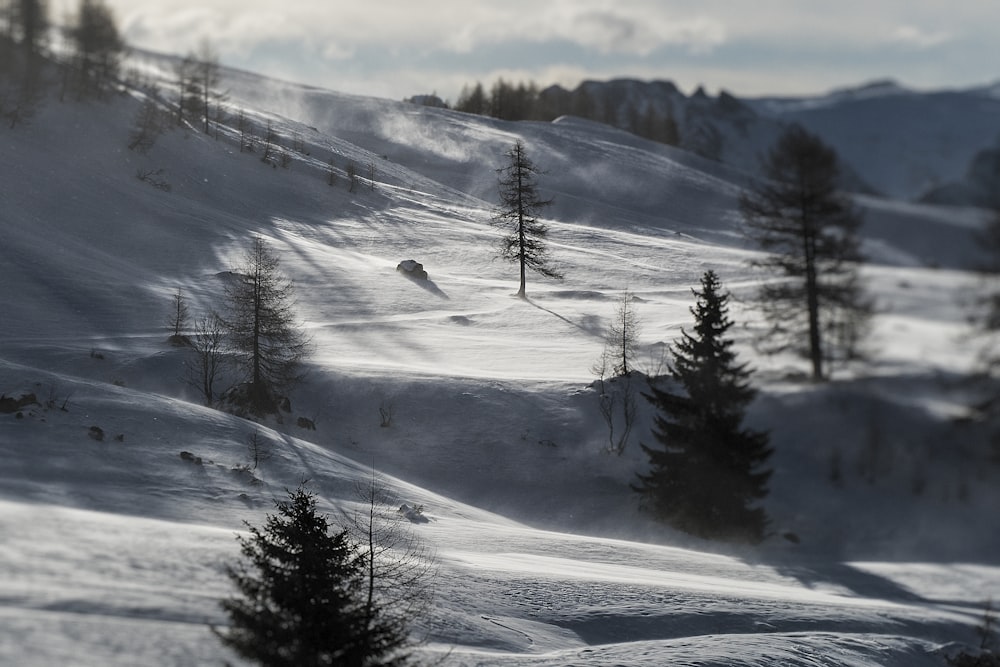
column 113, row 549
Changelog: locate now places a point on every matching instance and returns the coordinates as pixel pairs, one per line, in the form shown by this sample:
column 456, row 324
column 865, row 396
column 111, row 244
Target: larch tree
column 97, row 48
column 301, row 596
column 262, row 327
column 177, row 320
column 523, row 241
column 29, row 19
column 621, row 341
column 816, row 304
column 706, row 472
column 207, row 76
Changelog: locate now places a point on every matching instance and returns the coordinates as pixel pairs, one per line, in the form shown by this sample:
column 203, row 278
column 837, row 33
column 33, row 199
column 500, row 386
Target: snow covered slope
column 113, row 548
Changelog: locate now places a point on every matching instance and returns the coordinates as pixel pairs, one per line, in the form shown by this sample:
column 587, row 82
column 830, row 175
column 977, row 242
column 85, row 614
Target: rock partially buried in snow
column 412, row 269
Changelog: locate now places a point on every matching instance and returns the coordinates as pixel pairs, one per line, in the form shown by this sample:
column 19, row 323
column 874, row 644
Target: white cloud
column 371, row 44
column 909, row 35
column 639, row 33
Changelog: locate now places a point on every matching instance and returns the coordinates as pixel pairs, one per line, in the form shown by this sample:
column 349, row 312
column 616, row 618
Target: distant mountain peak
column 877, row 88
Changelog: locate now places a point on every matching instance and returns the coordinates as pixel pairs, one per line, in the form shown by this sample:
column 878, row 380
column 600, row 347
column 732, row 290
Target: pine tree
column 302, row 596
column 523, row 241
column 705, row 477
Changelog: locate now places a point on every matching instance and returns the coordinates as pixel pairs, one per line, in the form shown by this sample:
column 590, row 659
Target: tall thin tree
column 263, row 328
column 524, row 235
column 30, row 18
column 705, row 475
column 809, row 230
column 98, row 47
column 207, row 76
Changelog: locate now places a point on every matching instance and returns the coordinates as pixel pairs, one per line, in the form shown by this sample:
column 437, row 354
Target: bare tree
column 177, row 321
column 261, row 322
column 398, row 569
column 523, row 240
column 258, row 449
column 147, row 127
column 621, row 341
column 331, row 172
column 209, row 345
column 352, row 177
column 188, row 94
column 272, row 145
column 817, row 306
column 207, row 78
column 617, row 397
column 617, row 401
column 247, row 139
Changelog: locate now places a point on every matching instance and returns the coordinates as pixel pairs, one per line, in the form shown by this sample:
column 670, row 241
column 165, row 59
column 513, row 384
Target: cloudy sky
column 398, row 48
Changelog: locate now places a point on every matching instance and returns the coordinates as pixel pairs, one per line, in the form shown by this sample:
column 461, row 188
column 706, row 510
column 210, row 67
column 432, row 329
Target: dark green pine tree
column 302, row 596
column 706, row 475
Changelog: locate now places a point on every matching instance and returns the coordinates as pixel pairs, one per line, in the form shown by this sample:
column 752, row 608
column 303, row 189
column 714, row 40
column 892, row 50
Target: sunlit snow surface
column 112, row 552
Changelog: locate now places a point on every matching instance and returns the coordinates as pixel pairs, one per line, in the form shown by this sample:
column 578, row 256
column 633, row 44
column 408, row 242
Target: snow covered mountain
column 883, row 500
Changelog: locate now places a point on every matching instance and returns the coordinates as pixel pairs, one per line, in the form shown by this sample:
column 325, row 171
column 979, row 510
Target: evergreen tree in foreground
column 302, row 599
column 705, row 477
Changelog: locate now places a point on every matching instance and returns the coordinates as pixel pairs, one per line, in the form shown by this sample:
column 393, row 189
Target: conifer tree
column 301, row 596
column 523, row 241
column 818, row 306
column 98, row 47
column 706, row 475
column 262, row 327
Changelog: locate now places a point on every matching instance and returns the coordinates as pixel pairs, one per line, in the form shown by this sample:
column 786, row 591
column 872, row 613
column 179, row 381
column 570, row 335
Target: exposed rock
column 412, row 269
column 8, row 404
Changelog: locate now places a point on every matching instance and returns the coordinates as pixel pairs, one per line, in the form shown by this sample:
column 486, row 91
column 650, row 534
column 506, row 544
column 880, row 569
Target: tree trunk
column 812, row 303
column 520, row 226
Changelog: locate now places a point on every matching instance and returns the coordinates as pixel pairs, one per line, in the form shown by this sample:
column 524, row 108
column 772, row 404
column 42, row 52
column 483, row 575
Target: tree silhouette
column 262, row 327
column 302, row 596
column 817, row 306
column 705, row 476
column 524, row 235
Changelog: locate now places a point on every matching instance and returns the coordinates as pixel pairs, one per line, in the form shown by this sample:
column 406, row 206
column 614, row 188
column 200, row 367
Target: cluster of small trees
column 526, row 101
column 88, row 68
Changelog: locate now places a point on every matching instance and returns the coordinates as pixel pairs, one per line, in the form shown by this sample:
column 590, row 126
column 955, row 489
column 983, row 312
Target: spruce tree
column 302, row 599
column 706, row 475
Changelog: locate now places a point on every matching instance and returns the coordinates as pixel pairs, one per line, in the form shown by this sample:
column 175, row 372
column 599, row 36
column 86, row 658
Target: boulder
column 412, row 269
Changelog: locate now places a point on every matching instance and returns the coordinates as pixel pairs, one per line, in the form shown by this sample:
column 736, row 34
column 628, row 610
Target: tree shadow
column 855, row 580
column 589, row 324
